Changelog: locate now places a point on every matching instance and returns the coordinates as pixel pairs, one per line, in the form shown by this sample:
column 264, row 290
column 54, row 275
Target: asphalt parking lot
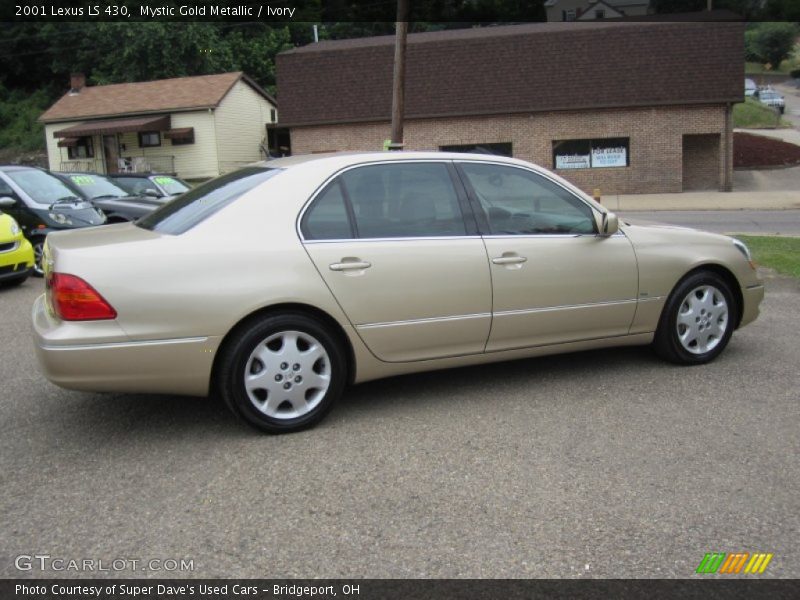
column 600, row 464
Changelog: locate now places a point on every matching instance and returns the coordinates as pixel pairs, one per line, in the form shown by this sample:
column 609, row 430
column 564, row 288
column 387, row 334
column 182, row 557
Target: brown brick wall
column 656, row 140
column 701, row 161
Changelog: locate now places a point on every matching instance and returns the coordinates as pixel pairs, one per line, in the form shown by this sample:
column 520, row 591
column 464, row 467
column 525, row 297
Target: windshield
column 171, row 185
column 199, row 203
column 97, row 186
column 43, row 188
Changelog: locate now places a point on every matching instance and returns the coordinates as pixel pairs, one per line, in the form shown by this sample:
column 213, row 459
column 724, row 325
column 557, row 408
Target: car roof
column 68, row 173
column 342, row 159
column 19, row 168
column 143, row 175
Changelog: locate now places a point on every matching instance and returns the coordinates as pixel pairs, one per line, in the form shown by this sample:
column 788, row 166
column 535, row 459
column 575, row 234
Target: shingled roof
column 163, row 95
column 515, row 69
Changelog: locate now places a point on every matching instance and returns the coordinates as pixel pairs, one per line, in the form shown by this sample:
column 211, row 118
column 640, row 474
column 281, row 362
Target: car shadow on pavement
column 490, row 381
column 122, row 416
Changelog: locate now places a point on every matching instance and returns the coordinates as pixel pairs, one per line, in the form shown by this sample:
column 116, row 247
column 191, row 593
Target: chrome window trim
column 524, row 311
column 424, row 321
column 131, row 344
column 371, row 163
column 396, row 239
column 543, row 174
column 503, row 313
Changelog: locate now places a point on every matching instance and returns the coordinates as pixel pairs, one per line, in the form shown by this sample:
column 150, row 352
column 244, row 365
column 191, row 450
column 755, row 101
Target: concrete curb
column 780, row 200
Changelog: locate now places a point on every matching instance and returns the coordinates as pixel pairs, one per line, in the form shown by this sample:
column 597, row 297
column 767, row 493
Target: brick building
column 627, row 107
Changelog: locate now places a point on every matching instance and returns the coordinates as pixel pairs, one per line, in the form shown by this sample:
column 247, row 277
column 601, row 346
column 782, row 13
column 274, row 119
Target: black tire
column 235, row 363
column 38, row 248
column 667, row 343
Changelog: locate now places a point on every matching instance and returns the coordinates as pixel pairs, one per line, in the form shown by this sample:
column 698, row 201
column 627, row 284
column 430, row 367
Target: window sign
column 572, row 161
column 591, row 154
column 609, row 156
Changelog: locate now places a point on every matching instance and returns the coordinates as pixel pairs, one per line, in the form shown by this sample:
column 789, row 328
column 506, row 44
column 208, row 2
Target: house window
column 591, row 154
column 183, row 140
column 83, row 149
column 568, row 15
column 599, row 14
column 273, row 115
column 496, row 149
column 149, row 138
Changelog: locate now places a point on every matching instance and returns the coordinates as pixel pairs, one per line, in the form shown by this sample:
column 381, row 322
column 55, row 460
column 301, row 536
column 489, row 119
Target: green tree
column 771, row 42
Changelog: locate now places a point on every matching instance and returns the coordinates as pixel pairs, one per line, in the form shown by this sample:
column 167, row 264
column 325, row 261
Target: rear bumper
column 752, row 296
column 71, row 356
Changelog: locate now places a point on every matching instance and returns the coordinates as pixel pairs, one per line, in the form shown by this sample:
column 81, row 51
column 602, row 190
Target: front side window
column 520, row 202
column 136, row 185
column 201, row 202
column 397, row 200
column 149, row 138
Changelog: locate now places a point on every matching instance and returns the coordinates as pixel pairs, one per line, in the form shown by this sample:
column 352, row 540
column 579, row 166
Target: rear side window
column 199, row 203
column 135, row 185
column 327, row 219
column 387, row 201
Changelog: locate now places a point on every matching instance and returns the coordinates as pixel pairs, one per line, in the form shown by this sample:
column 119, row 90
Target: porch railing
column 159, row 163
column 77, row 165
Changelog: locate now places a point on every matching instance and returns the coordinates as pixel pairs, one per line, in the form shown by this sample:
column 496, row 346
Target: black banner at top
column 321, row 11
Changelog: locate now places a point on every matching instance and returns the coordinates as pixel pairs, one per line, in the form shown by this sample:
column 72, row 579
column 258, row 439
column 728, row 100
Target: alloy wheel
column 287, row 374
column 702, row 319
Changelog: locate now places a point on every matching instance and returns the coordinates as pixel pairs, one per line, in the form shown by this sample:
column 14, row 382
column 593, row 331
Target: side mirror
column 152, row 193
column 609, row 224
column 7, row 201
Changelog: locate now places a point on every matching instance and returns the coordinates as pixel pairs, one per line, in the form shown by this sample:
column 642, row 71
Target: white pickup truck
column 772, row 99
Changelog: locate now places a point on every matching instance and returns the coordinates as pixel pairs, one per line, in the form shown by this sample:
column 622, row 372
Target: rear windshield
column 199, row 203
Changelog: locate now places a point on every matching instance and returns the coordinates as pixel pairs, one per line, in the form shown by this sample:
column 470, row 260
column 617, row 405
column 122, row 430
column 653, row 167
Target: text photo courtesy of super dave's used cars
column 370, row 265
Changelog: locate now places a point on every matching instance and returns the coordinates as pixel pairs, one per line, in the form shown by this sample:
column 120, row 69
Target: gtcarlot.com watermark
column 58, row 564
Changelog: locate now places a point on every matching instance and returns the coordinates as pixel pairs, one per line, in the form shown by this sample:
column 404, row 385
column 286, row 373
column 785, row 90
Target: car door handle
column 509, row 260
column 350, row 266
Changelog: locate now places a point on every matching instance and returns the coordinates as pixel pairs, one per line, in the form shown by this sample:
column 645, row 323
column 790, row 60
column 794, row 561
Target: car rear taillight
column 73, row 299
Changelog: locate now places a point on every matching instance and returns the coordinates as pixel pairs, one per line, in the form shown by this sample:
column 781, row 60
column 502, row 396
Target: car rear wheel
column 698, row 320
column 281, row 373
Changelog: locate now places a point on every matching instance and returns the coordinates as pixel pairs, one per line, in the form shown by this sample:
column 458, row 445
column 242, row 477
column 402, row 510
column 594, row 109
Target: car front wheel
column 698, row 320
column 281, row 373
column 38, row 254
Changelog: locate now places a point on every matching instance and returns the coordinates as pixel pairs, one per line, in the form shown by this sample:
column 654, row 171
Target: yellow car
column 16, row 253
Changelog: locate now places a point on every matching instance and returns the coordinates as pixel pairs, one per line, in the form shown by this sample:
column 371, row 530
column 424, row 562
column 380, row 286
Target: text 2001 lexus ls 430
column 283, row 282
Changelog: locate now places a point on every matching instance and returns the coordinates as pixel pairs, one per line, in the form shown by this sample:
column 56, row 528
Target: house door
column 111, row 152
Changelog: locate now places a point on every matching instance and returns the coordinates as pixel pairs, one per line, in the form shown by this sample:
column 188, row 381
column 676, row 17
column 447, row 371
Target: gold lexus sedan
column 279, row 284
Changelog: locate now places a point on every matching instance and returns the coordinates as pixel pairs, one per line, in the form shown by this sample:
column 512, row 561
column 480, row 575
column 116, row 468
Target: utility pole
column 399, row 78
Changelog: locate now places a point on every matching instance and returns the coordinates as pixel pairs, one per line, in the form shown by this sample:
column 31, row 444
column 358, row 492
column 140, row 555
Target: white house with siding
column 192, row 127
